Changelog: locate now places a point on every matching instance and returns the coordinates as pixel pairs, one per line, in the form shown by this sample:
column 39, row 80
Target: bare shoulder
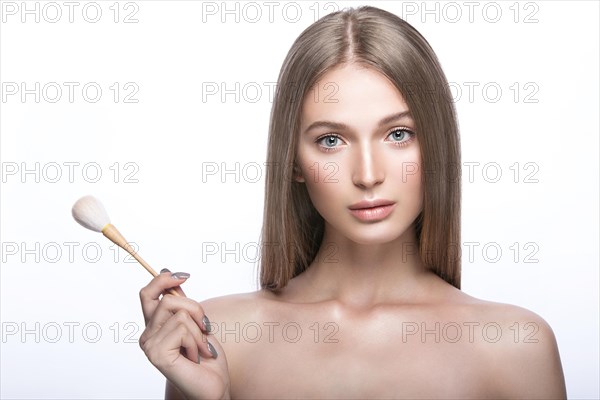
column 234, row 307
column 500, row 313
column 521, row 348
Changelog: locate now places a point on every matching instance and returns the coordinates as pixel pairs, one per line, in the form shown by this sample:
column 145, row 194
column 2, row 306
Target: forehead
column 353, row 94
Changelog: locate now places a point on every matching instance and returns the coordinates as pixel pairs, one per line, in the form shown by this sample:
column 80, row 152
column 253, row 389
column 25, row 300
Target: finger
column 164, row 348
column 150, row 294
column 177, row 289
column 171, row 305
column 184, row 324
column 191, row 351
column 216, row 347
column 177, row 275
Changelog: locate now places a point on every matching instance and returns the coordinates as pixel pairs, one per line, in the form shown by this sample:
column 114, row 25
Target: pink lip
column 371, row 204
column 374, row 210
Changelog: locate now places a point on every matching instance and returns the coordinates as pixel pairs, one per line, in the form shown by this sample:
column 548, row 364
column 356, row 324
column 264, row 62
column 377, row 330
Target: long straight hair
column 292, row 228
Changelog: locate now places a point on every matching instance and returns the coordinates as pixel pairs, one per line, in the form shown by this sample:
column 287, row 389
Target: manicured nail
column 206, row 322
column 162, row 271
column 180, row 275
column 212, row 350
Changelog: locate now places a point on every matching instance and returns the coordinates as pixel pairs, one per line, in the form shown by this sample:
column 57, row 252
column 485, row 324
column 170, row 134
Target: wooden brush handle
column 111, row 232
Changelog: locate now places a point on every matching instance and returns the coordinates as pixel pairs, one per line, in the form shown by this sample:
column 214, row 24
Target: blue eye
column 329, row 141
column 401, row 135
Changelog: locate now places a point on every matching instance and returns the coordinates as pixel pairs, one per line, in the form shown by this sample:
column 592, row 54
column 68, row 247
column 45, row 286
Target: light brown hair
column 292, row 228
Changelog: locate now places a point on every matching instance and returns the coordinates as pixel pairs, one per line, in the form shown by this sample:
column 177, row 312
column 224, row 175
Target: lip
column 371, row 204
column 375, row 210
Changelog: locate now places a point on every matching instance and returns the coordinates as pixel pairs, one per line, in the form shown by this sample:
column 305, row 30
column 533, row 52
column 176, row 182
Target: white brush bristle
column 90, row 213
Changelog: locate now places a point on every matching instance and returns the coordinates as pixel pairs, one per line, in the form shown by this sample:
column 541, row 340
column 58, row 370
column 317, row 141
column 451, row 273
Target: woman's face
column 358, row 144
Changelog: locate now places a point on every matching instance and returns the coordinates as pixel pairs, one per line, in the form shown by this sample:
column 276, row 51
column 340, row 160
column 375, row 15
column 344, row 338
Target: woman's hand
column 176, row 340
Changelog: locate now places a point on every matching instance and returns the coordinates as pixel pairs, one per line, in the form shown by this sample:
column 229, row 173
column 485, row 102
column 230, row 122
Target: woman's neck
column 364, row 275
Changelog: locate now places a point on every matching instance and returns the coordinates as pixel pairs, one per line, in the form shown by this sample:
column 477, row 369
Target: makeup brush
column 90, row 213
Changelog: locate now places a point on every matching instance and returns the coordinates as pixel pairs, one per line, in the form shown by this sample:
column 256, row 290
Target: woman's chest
column 320, row 359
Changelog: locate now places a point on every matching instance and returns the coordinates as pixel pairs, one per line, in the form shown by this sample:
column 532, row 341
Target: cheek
column 322, row 179
column 406, row 173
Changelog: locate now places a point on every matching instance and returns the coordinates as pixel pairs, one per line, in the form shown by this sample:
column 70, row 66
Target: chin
column 374, row 236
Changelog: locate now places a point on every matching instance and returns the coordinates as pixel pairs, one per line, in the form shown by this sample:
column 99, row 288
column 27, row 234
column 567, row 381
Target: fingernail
column 212, row 350
column 206, row 322
column 162, row 271
column 180, row 275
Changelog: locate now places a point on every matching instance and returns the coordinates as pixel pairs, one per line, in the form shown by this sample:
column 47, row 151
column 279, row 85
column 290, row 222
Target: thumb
column 178, row 278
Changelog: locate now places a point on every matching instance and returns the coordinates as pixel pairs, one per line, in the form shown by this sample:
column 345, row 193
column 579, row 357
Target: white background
column 70, row 323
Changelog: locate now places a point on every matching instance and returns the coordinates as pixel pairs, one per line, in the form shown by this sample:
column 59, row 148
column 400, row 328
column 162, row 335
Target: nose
column 368, row 171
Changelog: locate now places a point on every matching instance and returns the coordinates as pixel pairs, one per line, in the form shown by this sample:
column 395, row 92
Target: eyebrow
column 341, row 126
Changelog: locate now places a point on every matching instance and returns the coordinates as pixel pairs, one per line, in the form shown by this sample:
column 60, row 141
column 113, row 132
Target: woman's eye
column 329, row 141
column 401, row 135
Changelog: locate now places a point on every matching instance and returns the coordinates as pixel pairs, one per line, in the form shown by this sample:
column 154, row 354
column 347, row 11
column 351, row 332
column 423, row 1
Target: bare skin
column 366, row 320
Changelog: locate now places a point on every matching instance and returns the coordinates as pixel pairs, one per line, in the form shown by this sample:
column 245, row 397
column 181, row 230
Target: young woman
column 360, row 265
